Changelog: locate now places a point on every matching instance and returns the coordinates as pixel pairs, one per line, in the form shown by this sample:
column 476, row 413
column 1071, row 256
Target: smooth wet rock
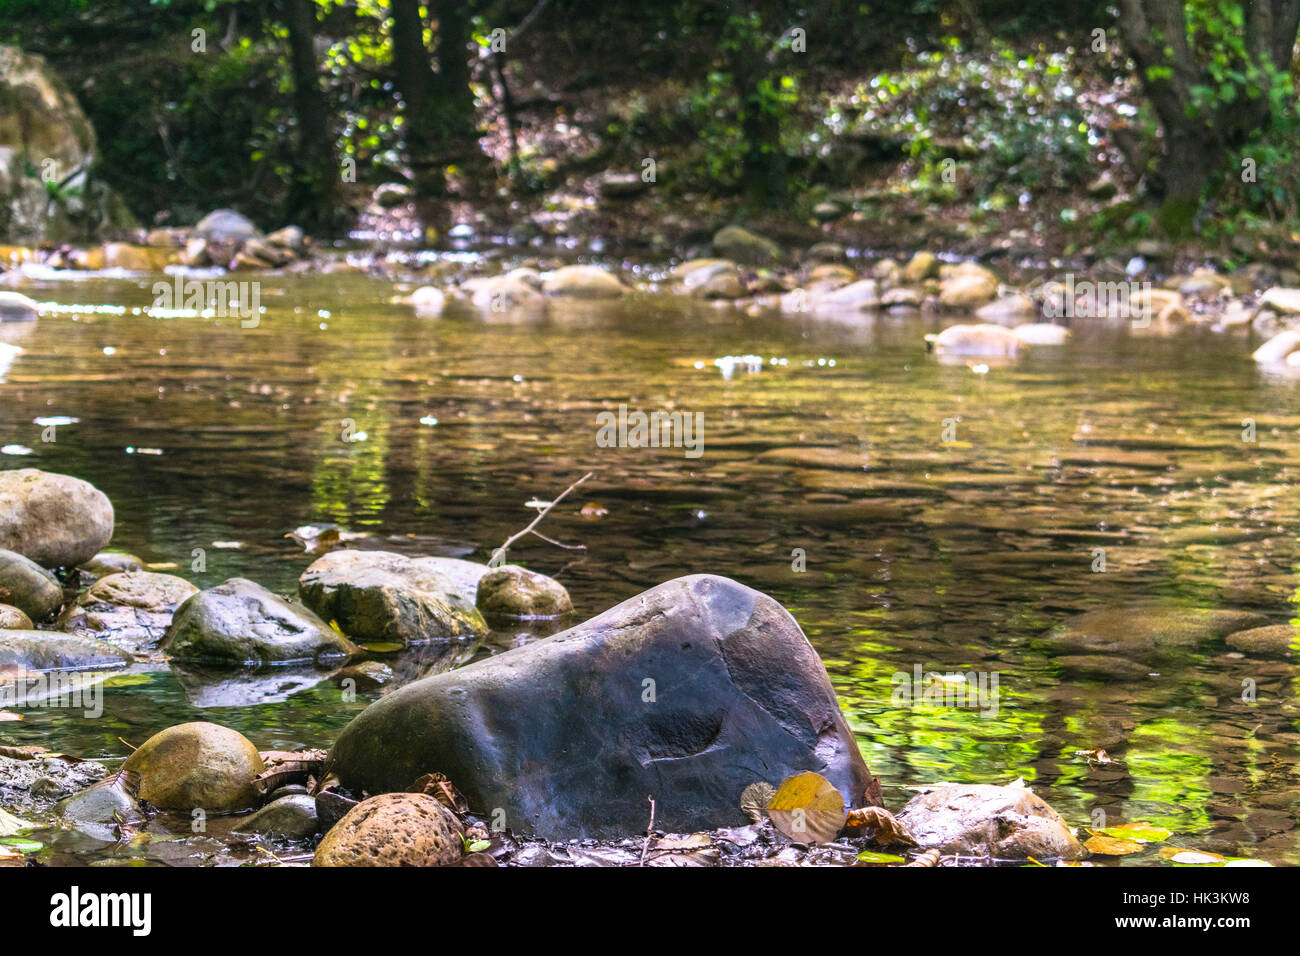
column 379, row 596
column 984, row 340
column 48, row 650
column 690, row 692
column 923, row 265
column 1143, row 632
column 198, row 766
column 428, row 302
column 291, row 817
column 1009, row 310
column 514, row 592
column 507, row 296
column 967, row 286
column 240, row 622
column 112, row 562
column 26, row 585
column 1041, row 333
column 110, row 802
column 225, row 225
column 133, row 258
column 131, row 609
column 1277, row 640
column 863, row 294
column 1278, row 348
column 1285, row 301
column 13, row 619
column 1006, row 823
column 16, row 307
column 748, row 248
column 55, row 520
column 393, row 829
column 718, row 279
column 584, row 282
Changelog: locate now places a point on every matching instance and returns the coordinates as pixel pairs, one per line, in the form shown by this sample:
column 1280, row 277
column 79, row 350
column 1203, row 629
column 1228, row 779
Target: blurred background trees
column 279, row 108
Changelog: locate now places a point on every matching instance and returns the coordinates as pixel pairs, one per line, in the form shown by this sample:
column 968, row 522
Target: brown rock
column 393, row 829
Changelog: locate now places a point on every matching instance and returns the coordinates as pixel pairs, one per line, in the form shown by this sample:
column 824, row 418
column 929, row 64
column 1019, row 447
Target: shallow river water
column 954, row 516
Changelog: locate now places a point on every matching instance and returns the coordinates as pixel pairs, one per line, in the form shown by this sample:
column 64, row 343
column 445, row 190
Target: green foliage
column 1012, row 121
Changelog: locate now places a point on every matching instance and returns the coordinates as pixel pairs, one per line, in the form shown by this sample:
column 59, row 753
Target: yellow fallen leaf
column 1111, row 846
column 808, row 809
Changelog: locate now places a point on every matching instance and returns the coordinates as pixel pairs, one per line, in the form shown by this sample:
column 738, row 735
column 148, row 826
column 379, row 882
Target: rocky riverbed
column 692, row 724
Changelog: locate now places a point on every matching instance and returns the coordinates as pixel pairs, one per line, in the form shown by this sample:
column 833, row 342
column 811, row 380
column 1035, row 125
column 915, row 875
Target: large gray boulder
column 688, row 693
column 379, row 596
column 239, row 622
column 56, row 520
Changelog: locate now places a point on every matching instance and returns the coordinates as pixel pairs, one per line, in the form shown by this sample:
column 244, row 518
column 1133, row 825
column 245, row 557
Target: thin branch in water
column 499, row 555
column 649, row 831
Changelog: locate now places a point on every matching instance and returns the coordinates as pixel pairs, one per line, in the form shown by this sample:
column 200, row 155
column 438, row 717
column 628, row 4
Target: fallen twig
column 499, row 555
column 649, row 832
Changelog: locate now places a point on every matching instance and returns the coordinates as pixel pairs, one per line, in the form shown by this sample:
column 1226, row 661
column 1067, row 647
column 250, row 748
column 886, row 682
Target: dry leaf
column 9, row 715
column 10, row 824
column 1112, row 846
column 807, row 808
column 592, row 511
column 883, row 829
column 441, row 789
column 754, row 800
column 1178, row 854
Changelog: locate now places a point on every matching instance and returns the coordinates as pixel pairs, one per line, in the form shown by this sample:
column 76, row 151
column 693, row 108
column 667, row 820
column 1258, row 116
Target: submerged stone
column 688, row 692
column 1143, row 632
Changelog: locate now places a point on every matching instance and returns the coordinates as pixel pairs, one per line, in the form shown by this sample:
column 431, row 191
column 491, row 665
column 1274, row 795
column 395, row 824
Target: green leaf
column 871, row 856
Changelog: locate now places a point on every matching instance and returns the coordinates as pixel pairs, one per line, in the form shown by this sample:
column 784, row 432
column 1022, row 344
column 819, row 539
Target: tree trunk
column 313, row 197
column 456, row 99
column 415, row 80
column 1198, row 142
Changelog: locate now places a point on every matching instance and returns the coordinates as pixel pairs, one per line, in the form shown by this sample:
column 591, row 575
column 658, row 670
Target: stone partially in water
column 1041, row 333
column 584, row 282
column 514, row 592
column 110, row 802
column 379, row 596
column 1006, row 823
column 1278, row 640
column 428, row 302
column 748, row 248
column 112, row 562
column 1144, row 632
column 198, row 766
column 55, row 520
column 16, row 307
column 688, row 692
column 291, row 817
column 985, row 340
column 967, row 286
column 393, row 829
column 13, row 619
column 132, row 609
column 225, row 225
column 48, row 651
column 26, row 585
column 1276, row 349
column 239, row 622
